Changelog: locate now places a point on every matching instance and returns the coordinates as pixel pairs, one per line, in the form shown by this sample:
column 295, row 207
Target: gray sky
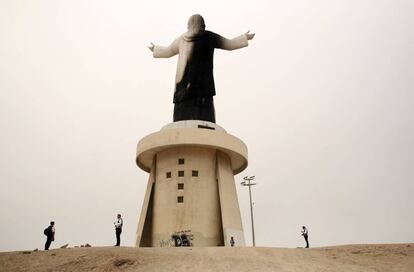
column 323, row 98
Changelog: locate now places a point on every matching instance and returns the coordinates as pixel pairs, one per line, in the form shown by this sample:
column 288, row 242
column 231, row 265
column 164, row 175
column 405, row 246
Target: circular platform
column 192, row 133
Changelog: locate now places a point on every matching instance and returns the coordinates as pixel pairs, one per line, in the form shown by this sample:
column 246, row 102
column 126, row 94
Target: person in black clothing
column 118, row 229
column 305, row 235
column 50, row 234
column 232, row 241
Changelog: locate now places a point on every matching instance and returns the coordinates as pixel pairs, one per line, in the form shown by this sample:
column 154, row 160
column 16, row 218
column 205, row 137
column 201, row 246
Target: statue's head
column 195, row 25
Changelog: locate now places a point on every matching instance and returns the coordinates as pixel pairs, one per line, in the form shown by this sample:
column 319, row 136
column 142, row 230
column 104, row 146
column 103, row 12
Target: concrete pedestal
column 191, row 197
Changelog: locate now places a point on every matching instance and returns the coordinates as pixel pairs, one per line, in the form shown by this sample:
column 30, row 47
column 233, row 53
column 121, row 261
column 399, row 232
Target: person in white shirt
column 118, row 229
column 305, row 235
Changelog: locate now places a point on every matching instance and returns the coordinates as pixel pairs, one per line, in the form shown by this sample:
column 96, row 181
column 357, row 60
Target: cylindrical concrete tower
column 191, row 197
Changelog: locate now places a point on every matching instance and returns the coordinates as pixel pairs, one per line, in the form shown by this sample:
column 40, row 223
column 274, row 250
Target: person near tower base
column 232, row 241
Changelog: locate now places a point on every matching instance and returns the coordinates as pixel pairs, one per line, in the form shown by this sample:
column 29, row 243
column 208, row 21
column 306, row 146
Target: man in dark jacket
column 50, row 234
column 305, row 235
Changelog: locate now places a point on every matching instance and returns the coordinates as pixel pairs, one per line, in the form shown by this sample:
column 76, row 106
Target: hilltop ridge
column 390, row 257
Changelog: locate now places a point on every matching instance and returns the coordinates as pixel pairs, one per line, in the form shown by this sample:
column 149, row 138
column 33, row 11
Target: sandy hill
column 392, row 257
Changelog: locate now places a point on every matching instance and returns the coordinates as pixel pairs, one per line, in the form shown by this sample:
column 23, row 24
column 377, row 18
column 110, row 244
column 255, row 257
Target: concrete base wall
column 198, row 215
column 191, row 197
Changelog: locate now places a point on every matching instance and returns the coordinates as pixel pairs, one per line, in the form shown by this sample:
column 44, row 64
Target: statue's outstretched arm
column 165, row 52
column 235, row 43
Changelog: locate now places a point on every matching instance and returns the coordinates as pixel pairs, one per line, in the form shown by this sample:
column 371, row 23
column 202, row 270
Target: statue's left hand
column 151, row 47
column 250, row 36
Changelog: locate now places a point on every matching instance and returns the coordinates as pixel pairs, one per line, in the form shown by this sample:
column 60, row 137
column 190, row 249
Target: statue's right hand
column 250, row 36
column 151, row 47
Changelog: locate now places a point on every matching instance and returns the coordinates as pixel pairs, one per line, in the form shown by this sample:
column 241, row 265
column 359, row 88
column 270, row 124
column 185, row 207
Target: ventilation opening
column 205, row 127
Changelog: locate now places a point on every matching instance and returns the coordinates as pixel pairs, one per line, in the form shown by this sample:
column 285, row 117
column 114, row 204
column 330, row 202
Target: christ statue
column 194, row 81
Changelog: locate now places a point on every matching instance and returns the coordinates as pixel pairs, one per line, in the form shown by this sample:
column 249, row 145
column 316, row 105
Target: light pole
column 247, row 182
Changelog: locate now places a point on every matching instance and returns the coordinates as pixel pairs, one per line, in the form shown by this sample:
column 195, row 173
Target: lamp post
column 247, row 182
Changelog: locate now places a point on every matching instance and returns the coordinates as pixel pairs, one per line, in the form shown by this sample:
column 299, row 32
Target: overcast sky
column 323, row 97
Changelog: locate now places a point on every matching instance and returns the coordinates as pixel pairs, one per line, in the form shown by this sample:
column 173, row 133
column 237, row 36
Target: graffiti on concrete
column 183, row 238
column 167, row 243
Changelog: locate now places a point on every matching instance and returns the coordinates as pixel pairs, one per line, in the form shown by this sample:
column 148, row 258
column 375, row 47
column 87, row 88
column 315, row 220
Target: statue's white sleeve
column 235, row 43
column 167, row 52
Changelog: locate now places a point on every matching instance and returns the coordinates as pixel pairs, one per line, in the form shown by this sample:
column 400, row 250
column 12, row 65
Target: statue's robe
column 194, row 81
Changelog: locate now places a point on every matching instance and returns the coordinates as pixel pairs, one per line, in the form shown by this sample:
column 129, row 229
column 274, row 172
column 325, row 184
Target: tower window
column 194, row 173
column 180, row 161
column 181, row 173
column 180, row 199
column 180, row 186
column 168, row 174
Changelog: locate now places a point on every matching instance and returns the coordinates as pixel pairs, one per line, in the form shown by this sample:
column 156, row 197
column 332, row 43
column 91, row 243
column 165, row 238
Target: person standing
column 305, row 235
column 118, row 229
column 231, row 241
column 50, row 234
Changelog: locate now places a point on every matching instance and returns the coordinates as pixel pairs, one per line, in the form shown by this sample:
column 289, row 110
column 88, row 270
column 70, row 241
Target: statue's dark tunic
column 194, row 88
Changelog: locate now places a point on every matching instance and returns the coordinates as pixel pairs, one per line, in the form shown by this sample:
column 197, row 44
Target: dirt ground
column 390, row 257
